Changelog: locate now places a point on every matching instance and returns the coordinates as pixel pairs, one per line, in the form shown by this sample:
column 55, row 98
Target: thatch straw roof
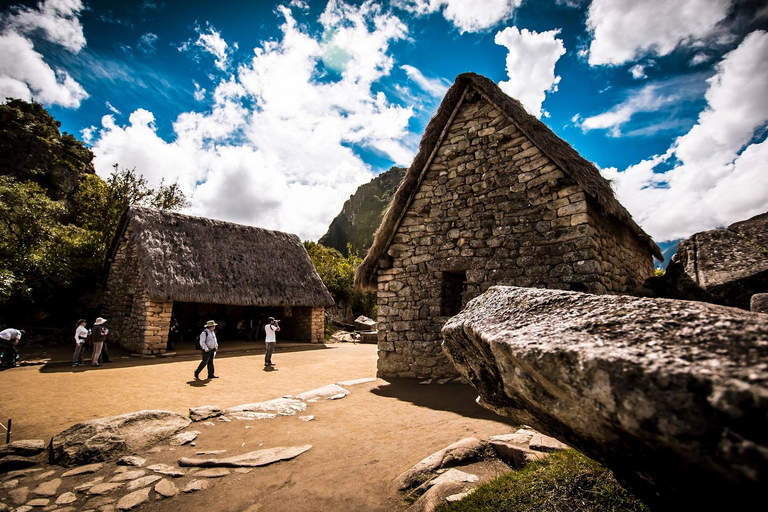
column 193, row 259
column 560, row 152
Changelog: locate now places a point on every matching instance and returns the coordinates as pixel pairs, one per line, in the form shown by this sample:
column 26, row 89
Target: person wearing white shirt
column 271, row 328
column 81, row 334
column 9, row 338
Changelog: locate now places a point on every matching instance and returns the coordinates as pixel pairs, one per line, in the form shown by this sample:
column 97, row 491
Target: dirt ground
column 360, row 443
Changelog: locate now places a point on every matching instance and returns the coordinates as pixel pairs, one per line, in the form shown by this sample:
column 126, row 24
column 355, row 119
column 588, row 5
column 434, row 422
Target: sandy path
column 360, row 443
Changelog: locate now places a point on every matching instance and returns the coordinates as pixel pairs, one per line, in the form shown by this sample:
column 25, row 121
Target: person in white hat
column 209, row 345
column 98, row 335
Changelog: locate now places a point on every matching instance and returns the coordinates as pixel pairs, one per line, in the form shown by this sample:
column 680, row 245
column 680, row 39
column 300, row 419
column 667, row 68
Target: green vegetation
column 659, row 272
column 57, row 217
column 563, row 482
column 338, row 275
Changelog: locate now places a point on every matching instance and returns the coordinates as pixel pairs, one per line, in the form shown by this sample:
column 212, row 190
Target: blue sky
column 273, row 113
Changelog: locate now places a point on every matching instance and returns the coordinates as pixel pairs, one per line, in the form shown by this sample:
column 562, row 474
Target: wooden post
column 8, row 432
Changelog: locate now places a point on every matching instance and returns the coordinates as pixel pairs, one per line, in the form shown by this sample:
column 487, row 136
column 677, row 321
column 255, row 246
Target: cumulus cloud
column 436, row 87
column 23, row 72
column 531, row 59
column 466, row 15
column 638, row 72
column 718, row 174
column 279, row 146
column 147, row 42
column 625, row 30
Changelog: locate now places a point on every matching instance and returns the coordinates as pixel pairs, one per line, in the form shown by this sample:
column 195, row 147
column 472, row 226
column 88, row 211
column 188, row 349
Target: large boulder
column 723, row 266
column 106, row 439
column 671, row 395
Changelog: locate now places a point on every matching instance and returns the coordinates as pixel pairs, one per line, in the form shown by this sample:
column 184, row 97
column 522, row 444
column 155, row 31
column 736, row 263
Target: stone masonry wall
column 491, row 209
column 139, row 323
column 309, row 324
column 625, row 263
column 125, row 299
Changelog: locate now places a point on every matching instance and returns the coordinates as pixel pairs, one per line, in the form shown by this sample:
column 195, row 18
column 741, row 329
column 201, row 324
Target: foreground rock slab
column 107, row 439
column 251, row 459
column 23, row 448
column 671, row 395
column 467, row 449
column 329, row 392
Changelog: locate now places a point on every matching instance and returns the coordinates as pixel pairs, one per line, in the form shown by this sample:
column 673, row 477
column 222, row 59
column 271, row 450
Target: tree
column 35, row 246
column 338, row 275
column 100, row 205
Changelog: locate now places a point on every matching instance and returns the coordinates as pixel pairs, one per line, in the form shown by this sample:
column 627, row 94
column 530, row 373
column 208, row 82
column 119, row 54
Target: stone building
column 163, row 263
column 492, row 197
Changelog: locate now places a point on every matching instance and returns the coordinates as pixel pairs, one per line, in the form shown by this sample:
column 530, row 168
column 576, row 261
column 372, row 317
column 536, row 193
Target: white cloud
column 23, row 72
column 531, row 59
column 147, row 42
column 278, row 147
column 699, row 58
column 437, row 87
column 199, row 93
column 210, row 41
column 113, row 109
column 719, row 174
column 466, row 15
column 638, row 72
column 625, row 30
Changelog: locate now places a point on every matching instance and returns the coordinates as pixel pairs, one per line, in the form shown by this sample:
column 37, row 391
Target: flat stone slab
column 104, row 488
column 133, row 499
column 66, row 498
column 48, row 488
column 211, row 452
column 307, row 419
column 470, row 448
column 356, row 381
column 38, row 502
column 542, row 443
column 183, row 438
column 19, row 495
column 213, row 473
column 250, row 459
column 82, row 470
column 128, row 475
column 15, row 462
column 204, row 412
column 131, row 460
column 196, row 485
column 250, row 415
column 166, row 488
column 329, row 392
column 165, row 469
column 23, row 448
column 87, row 485
column 282, row 406
column 142, row 482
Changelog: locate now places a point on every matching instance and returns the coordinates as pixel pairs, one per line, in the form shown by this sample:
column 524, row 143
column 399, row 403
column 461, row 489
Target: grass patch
column 566, row 481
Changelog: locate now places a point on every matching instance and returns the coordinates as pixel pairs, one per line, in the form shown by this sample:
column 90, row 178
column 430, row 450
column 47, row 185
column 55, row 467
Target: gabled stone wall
column 491, row 209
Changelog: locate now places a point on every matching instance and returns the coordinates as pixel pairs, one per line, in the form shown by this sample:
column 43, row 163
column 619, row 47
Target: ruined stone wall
column 125, row 299
column 491, row 209
column 625, row 263
column 309, row 324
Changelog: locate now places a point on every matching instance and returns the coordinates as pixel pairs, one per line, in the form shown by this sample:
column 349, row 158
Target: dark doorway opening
column 454, row 289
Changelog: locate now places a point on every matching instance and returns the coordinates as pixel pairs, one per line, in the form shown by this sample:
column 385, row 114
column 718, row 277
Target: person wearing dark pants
column 209, row 345
column 271, row 328
column 98, row 334
column 81, row 334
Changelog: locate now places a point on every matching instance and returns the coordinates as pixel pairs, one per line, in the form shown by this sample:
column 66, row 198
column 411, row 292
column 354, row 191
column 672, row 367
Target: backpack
column 201, row 349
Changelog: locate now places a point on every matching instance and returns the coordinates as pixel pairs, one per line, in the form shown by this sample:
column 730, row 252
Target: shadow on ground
column 452, row 397
column 121, row 358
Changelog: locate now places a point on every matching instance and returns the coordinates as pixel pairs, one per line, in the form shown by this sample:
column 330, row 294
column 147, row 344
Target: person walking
column 98, row 335
column 271, row 328
column 81, row 334
column 9, row 339
column 209, row 345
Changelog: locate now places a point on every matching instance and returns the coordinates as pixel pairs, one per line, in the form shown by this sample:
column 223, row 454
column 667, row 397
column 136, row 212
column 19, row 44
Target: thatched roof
column 560, row 152
column 193, row 259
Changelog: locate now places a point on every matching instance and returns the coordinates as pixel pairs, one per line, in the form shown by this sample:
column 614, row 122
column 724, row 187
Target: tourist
column 209, row 345
column 98, row 335
column 81, row 334
column 9, row 338
column 271, row 328
column 174, row 334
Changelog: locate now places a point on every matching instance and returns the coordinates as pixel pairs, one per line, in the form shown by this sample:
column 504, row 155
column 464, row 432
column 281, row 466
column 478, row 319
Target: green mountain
column 362, row 214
